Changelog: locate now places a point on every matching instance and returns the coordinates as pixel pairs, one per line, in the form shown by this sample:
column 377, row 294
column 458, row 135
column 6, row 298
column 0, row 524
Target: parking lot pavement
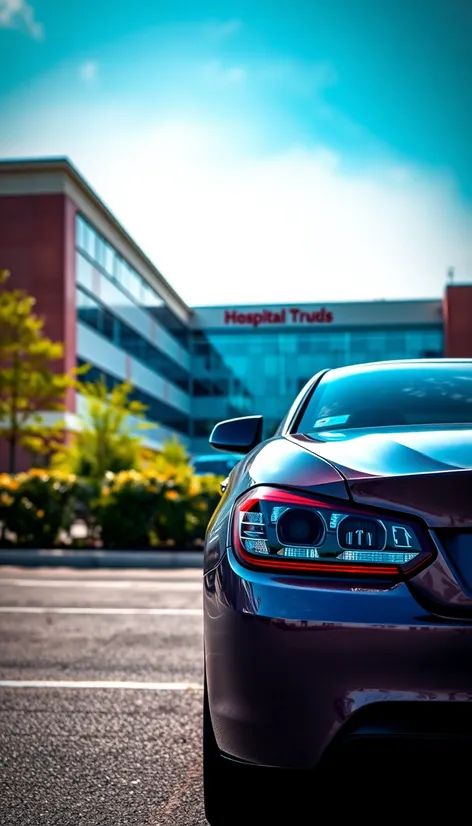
column 100, row 697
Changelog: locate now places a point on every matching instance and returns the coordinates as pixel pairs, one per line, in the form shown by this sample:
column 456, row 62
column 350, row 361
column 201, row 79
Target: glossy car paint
column 291, row 660
column 423, row 471
column 285, row 465
column 289, row 663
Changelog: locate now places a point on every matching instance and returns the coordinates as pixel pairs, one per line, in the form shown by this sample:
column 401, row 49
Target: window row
column 96, row 315
column 90, row 242
column 220, row 386
column 253, row 370
column 349, row 341
column 157, row 411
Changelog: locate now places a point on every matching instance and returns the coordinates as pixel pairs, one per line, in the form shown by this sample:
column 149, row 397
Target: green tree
column 28, row 384
column 172, row 457
column 105, row 441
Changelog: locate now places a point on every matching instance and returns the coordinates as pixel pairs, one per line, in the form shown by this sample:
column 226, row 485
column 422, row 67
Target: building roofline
column 315, row 303
column 64, row 164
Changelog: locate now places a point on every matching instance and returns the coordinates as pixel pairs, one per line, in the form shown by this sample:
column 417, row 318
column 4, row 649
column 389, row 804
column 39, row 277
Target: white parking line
column 42, row 609
column 158, row 585
column 114, row 684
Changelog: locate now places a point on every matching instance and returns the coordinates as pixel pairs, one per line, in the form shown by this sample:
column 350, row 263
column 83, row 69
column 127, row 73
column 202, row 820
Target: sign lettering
column 290, row 315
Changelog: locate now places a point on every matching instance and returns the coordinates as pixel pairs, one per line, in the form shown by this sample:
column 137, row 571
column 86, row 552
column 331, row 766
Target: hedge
column 129, row 509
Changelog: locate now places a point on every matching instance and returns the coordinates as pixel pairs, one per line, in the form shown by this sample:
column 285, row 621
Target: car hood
column 426, row 471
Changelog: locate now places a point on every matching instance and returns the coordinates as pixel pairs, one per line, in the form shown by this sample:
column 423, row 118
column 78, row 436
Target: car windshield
column 390, row 396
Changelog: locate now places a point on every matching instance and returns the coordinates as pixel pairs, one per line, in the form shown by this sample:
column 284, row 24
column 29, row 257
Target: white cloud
column 221, row 75
column 88, row 71
column 296, row 226
column 226, row 225
column 20, row 14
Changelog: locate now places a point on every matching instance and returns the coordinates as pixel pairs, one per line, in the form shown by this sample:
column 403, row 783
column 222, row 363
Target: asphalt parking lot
column 100, row 697
column 101, row 704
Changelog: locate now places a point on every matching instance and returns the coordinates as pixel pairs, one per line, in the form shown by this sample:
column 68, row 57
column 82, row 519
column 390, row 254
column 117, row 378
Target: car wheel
column 236, row 794
column 221, row 792
column 213, row 770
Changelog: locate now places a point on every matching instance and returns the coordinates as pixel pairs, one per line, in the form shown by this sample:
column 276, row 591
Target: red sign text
column 291, row 315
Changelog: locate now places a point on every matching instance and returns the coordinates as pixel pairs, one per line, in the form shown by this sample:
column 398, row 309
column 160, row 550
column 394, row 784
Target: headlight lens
column 290, row 531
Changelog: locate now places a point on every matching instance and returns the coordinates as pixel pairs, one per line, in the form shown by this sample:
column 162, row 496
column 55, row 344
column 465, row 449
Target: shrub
column 36, row 506
column 166, row 504
column 203, row 497
column 125, row 509
column 138, row 509
column 8, row 487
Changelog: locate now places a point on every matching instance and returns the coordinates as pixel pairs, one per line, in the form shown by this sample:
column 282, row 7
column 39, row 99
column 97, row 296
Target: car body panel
column 290, row 659
column 421, row 471
column 286, row 465
column 443, row 500
column 289, row 663
column 441, row 588
column 393, row 451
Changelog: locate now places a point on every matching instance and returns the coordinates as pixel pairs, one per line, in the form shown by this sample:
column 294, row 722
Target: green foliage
column 105, row 442
column 36, row 506
column 164, row 504
column 8, row 487
column 173, row 456
column 28, row 385
column 188, row 500
column 202, row 504
column 126, row 509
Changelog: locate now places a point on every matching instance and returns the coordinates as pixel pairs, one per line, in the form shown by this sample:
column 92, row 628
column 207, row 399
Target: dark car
column 338, row 596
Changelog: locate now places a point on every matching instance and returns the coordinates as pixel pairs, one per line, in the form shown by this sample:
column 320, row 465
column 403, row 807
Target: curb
column 101, row 559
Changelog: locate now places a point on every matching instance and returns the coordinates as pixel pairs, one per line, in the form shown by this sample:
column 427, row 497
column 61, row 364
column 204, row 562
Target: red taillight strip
column 279, row 564
column 283, row 496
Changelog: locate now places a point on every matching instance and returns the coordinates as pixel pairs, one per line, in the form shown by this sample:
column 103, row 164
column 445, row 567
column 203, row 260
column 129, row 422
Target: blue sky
column 259, row 151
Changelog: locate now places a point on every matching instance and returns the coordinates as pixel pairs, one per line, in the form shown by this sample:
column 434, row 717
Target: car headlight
column 284, row 530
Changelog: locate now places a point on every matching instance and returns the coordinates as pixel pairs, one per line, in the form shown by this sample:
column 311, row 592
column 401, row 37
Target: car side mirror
column 237, row 435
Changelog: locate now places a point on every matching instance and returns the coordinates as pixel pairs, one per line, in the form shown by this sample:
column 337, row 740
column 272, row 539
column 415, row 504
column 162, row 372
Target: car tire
column 213, row 770
column 236, row 793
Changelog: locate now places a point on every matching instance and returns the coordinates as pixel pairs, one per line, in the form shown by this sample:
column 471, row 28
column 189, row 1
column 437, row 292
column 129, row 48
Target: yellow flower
column 8, row 482
column 194, row 488
column 7, row 500
column 63, row 476
column 105, row 491
column 38, row 473
column 40, row 514
column 172, row 495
